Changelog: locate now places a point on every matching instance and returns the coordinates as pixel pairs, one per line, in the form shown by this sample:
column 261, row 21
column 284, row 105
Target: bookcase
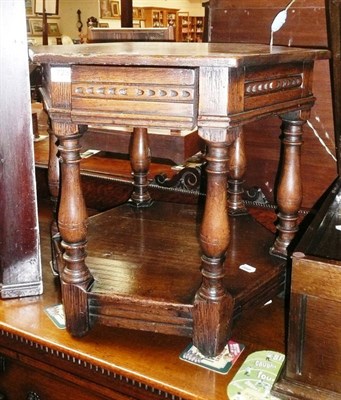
column 190, row 28
column 160, row 17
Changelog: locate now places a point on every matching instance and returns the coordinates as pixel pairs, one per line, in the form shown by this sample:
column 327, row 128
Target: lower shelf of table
column 146, row 266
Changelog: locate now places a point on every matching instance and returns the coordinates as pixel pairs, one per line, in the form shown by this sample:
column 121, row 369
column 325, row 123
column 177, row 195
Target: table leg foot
column 212, row 324
column 76, row 280
column 287, row 227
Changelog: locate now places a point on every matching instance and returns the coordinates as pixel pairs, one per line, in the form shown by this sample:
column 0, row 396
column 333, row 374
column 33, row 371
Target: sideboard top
column 231, row 55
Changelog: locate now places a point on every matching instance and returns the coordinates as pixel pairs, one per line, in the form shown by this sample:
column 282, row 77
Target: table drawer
column 121, row 95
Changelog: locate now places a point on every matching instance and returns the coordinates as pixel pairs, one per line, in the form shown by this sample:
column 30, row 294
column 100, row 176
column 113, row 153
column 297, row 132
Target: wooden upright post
column 126, row 13
column 45, row 33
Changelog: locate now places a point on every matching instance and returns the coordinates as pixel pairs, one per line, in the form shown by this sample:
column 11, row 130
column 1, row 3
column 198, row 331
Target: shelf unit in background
column 138, row 17
column 190, row 28
column 160, row 17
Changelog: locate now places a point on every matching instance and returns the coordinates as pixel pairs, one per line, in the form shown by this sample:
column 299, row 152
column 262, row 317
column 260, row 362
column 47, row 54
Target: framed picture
column 109, row 9
column 53, row 29
column 29, row 6
column 103, row 25
column 104, row 8
column 115, row 8
column 36, row 26
column 51, row 7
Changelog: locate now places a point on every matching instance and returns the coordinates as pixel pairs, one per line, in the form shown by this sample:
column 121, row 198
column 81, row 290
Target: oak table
column 137, row 275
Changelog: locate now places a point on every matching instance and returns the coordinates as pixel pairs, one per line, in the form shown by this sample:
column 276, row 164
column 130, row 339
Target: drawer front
column 22, row 379
column 264, row 86
column 165, row 97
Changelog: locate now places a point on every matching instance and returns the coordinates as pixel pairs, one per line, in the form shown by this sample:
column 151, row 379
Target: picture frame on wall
column 36, row 26
column 115, row 8
column 29, row 7
column 109, row 9
column 51, row 7
column 104, row 8
column 53, row 29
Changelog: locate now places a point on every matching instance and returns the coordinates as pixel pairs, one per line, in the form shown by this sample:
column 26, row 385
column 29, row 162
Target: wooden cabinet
column 313, row 368
column 160, row 17
column 190, row 28
column 20, row 267
column 24, row 377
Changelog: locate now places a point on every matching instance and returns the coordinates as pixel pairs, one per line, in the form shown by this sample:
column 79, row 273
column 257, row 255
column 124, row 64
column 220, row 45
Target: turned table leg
column 72, row 224
column 289, row 192
column 213, row 306
column 140, row 163
column 237, row 168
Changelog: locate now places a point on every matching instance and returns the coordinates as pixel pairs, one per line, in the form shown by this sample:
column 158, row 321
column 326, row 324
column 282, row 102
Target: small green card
column 256, row 376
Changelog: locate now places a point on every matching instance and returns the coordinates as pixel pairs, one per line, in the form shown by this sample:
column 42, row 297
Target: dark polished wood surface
column 217, row 88
column 226, row 55
column 131, row 253
column 313, row 367
column 103, row 35
column 20, row 268
column 112, row 363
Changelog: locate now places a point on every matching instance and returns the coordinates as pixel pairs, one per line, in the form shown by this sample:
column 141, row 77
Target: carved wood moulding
column 134, row 91
column 273, row 85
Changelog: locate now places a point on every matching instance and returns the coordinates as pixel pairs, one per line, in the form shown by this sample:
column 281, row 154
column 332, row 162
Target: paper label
column 57, row 315
column 256, row 376
column 61, row 74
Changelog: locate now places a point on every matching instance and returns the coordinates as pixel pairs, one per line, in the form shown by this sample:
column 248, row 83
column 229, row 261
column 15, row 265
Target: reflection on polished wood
column 111, row 363
column 217, row 88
